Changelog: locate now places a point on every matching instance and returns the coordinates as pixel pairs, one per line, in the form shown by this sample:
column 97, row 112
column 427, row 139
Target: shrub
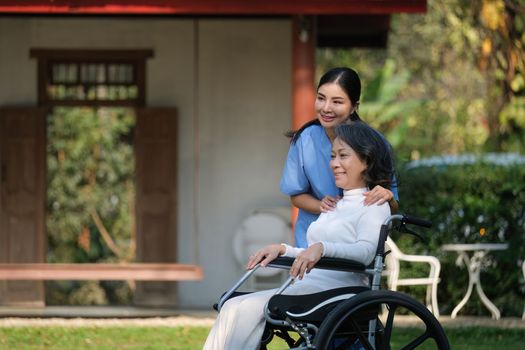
column 474, row 201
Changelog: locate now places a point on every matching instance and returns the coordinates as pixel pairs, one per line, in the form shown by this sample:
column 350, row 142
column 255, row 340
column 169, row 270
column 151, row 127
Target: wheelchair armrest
column 281, row 262
column 325, row 263
column 340, row 264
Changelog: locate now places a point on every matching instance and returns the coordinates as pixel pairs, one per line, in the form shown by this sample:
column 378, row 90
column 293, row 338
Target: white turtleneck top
column 350, row 231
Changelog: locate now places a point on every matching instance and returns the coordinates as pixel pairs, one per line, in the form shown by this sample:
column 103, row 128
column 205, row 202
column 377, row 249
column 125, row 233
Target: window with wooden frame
column 91, row 77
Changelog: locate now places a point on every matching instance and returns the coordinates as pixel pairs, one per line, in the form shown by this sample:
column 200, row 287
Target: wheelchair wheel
column 374, row 312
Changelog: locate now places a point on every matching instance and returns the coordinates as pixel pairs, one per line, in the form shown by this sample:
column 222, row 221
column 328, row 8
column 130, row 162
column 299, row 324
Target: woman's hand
column 378, row 195
column 306, row 260
column 328, row 203
column 265, row 255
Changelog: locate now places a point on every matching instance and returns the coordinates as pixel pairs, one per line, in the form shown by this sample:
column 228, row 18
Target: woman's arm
column 306, row 202
column 379, row 195
column 295, row 182
column 313, row 205
column 265, row 255
column 306, row 260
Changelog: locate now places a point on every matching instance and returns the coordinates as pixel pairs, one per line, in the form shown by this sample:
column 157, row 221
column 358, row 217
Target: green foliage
column 382, row 104
column 512, row 119
column 439, row 49
column 451, row 80
column 470, row 203
column 90, row 195
column 501, row 58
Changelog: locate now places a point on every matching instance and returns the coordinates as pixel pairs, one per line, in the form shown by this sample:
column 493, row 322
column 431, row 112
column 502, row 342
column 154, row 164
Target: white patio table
column 474, row 263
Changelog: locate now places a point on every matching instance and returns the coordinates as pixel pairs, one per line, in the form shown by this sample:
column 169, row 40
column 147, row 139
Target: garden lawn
column 186, row 338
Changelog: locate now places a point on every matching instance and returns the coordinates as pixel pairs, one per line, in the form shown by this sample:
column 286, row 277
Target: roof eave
column 211, row 7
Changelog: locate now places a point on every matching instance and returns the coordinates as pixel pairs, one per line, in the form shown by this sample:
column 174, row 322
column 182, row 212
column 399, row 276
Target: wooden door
column 22, row 199
column 156, row 198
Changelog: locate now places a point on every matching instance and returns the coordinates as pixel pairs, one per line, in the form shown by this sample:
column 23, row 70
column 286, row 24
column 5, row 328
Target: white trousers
column 240, row 324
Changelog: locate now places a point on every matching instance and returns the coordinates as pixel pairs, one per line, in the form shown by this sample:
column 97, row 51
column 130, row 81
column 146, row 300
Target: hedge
column 468, row 202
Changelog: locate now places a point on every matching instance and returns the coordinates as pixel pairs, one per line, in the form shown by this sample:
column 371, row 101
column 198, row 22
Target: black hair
column 349, row 81
column 372, row 148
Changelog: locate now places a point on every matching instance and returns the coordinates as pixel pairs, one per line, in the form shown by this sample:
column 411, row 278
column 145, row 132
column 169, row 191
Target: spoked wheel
column 378, row 312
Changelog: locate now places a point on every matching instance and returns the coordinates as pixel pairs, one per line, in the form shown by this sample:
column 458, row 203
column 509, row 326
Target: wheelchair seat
column 311, row 308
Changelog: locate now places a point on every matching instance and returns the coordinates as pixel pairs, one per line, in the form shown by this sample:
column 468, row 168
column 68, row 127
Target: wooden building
column 216, row 84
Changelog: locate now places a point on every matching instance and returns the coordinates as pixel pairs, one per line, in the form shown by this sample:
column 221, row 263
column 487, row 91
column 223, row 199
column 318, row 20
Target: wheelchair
column 349, row 318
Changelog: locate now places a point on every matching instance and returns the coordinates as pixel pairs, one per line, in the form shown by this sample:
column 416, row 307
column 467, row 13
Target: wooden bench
column 128, row 271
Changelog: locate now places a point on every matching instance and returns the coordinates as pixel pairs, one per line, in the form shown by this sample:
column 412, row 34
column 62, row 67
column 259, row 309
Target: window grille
column 96, row 77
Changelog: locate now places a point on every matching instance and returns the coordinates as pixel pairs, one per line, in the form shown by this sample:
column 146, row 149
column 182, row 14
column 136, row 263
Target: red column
column 303, row 70
column 303, row 74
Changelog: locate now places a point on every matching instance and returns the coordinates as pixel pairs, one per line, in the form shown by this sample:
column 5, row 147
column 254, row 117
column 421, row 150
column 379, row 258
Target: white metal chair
column 523, row 269
column 261, row 228
column 392, row 262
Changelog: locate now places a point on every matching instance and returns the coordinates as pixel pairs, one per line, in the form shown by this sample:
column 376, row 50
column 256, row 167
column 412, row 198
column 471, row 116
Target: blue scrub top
column 307, row 170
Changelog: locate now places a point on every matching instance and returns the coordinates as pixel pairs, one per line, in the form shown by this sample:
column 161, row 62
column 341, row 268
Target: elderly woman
column 360, row 160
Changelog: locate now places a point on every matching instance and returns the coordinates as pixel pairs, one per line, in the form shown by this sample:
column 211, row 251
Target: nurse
column 306, row 177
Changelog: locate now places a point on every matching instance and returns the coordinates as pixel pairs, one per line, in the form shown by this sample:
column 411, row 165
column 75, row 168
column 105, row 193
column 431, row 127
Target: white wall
column 230, row 81
column 244, row 94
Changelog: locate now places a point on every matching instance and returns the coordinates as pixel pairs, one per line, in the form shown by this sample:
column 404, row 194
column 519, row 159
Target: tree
column 90, row 200
column 501, row 58
column 464, row 62
column 472, row 68
column 438, row 48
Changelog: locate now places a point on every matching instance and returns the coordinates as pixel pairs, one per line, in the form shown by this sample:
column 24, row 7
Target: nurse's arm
column 306, row 202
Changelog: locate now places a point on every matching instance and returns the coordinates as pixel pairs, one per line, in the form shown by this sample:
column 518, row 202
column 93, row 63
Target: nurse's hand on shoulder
column 328, row 203
column 306, row 260
column 378, row 195
column 265, row 255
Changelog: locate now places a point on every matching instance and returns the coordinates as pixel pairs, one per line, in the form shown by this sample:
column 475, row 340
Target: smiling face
column 347, row 167
column 332, row 105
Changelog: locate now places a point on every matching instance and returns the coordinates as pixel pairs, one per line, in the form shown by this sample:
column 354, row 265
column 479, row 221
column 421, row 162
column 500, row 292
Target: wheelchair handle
column 417, row 221
column 226, row 295
column 408, row 219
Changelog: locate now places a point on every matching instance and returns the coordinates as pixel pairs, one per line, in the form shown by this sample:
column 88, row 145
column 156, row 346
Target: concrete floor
column 169, row 317
column 100, row 312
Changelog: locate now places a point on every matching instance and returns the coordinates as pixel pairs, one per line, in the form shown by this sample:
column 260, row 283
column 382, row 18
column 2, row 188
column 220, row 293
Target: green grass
column 470, row 338
column 102, row 338
column 179, row 338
